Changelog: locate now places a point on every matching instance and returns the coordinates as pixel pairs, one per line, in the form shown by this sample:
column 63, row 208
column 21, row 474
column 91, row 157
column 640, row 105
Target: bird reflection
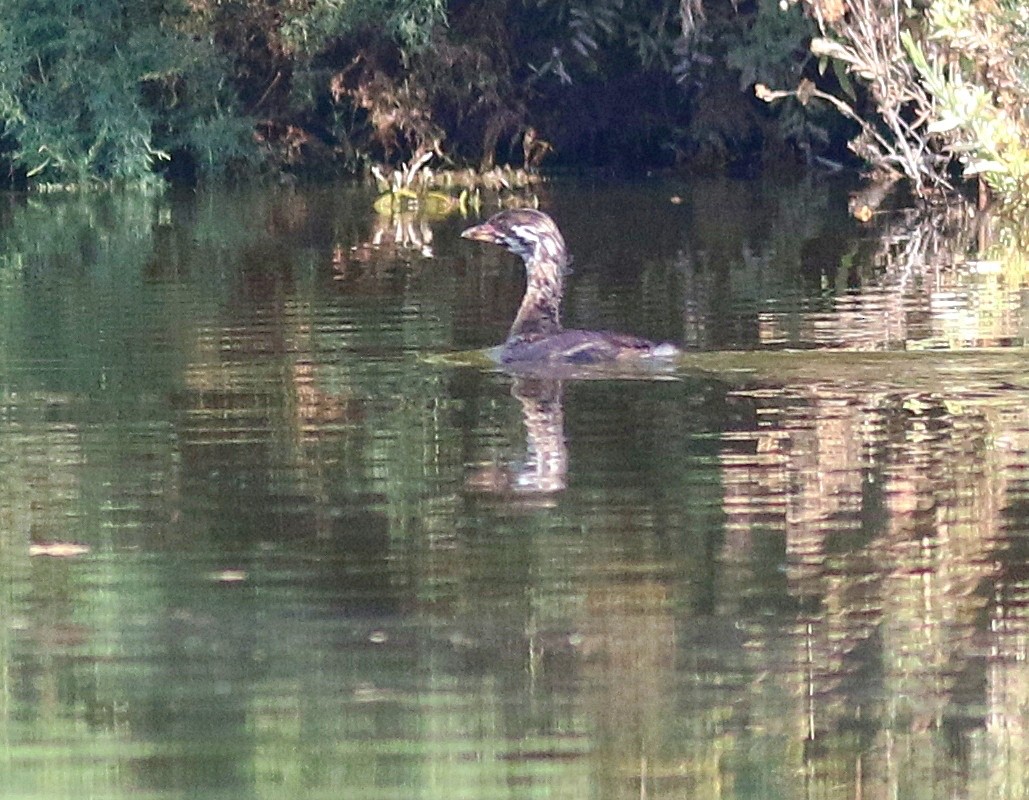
column 545, row 467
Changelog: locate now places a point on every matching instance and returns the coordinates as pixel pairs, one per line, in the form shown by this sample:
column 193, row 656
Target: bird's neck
column 540, row 312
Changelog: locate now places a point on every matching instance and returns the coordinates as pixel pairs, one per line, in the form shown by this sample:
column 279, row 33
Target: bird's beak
column 481, row 233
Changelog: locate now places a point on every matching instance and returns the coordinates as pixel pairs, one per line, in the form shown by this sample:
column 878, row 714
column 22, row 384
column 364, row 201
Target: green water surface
column 260, row 539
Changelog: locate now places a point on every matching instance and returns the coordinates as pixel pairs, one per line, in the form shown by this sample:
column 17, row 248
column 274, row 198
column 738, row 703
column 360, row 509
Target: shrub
column 106, row 90
column 947, row 83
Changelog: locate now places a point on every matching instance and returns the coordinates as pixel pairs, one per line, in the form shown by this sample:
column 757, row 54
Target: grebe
column 537, row 335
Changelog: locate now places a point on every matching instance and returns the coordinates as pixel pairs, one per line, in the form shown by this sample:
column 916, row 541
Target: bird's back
column 583, row 347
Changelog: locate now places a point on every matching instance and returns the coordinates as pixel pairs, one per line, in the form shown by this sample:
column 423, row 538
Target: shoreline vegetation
column 928, row 95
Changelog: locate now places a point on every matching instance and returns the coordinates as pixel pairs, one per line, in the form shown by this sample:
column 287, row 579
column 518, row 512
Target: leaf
column 846, row 84
column 37, row 169
column 829, row 48
column 384, row 204
column 584, row 43
column 945, row 125
column 986, row 165
column 931, row 75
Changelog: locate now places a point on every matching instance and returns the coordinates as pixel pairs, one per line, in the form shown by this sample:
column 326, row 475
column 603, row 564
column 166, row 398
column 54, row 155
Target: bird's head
column 527, row 233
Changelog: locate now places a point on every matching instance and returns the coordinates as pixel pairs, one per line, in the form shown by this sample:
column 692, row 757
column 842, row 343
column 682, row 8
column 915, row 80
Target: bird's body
column 581, row 347
column 537, row 336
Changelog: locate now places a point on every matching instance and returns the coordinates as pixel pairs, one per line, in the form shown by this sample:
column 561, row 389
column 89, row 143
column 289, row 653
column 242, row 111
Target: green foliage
column 673, row 74
column 103, row 91
column 574, row 39
column 976, row 74
column 767, row 45
column 947, row 82
column 114, row 91
column 409, row 23
column 771, row 48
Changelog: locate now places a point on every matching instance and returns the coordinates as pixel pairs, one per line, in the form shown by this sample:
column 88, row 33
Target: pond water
column 258, row 540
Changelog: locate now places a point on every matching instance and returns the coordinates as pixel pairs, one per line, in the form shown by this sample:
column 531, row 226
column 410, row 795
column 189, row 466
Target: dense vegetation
column 119, row 91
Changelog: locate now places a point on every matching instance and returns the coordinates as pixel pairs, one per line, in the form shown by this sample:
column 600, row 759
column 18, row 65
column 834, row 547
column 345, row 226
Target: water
column 257, row 540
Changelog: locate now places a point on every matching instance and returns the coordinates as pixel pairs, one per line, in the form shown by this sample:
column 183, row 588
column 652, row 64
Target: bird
column 537, row 336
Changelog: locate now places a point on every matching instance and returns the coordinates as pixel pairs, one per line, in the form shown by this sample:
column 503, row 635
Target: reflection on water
column 545, row 466
column 253, row 543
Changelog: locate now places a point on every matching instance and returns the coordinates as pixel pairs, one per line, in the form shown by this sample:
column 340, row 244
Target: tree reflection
column 895, row 510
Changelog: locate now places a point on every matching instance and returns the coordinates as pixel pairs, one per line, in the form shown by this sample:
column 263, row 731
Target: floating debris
column 437, row 193
column 58, row 549
column 229, row 576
